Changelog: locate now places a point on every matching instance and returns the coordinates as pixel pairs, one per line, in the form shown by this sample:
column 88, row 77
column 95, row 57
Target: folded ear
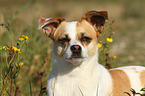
column 49, row 25
column 97, row 19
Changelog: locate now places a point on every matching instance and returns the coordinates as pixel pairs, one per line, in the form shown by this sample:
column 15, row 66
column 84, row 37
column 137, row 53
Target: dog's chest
column 75, row 87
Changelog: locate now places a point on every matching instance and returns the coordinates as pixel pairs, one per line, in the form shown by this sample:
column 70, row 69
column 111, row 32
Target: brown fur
column 41, row 21
column 121, row 82
column 86, row 28
column 59, row 31
column 142, row 78
column 82, row 27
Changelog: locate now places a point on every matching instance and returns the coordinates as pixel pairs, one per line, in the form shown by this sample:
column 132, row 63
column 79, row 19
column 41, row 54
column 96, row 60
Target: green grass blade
column 81, row 92
column 127, row 93
column 30, row 87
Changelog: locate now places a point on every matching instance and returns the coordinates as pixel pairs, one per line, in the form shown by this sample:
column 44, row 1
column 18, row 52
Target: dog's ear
column 97, row 19
column 49, row 25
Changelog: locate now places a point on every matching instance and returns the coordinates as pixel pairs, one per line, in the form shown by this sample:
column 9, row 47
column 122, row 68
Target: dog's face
column 75, row 41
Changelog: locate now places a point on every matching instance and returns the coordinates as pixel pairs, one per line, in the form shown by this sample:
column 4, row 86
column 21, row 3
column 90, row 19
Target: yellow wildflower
column 21, row 39
column 112, row 28
column 18, row 49
column 23, row 35
column 99, row 45
column 18, row 43
column 26, row 37
column 15, row 48
column 5, row 48
column 20, row 64
column 114, row 57
column 27, row 41
column 109, row 39
column 106, row 21
column 100, row 41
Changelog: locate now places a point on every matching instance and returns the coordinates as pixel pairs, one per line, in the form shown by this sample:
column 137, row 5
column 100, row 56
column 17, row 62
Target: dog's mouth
column 75, row 59
column 76, row 56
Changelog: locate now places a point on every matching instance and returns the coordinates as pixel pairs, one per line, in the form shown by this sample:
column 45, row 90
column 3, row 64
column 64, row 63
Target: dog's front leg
column 50, row 87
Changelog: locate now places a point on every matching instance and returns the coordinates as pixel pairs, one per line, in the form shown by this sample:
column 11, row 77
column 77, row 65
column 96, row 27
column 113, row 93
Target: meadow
column 25, row 52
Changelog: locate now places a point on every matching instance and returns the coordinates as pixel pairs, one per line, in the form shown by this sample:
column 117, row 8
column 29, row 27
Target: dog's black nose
column 76, row 49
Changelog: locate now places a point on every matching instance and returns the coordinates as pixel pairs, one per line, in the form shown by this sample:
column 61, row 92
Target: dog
column 76, row 71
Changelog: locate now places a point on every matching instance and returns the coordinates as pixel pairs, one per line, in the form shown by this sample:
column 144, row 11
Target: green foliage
column 134, row 93
column 20, row 18
column 12, row 57
column 19, row 58
column 11, row 64
column 104, row 44
column 81, row 92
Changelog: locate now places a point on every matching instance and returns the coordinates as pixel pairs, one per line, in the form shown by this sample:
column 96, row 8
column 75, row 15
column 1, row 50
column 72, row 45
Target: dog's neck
column 88, row 71
column 62, row 67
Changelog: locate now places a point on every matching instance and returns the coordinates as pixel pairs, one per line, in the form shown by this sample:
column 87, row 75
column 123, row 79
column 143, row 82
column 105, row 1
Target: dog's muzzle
column 76, row 51
column 75, row 54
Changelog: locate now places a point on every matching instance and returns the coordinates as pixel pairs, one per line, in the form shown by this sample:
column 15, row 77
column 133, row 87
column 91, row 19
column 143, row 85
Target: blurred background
column 23, row 15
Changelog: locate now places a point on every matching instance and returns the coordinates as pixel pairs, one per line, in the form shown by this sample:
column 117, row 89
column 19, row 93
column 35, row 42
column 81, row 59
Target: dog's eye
column 63, row 40
column 86, row 39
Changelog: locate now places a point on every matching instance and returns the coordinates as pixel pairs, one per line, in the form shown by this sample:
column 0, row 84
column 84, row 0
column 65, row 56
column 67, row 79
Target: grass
column 134, row 93
column 20, row 18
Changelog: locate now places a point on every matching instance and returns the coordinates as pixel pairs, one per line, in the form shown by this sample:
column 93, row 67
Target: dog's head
column 75, row 41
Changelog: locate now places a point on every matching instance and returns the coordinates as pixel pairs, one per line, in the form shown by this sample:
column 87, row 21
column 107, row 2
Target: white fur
column 88, row 78
column 133, row 73
column 71, row 30
column 68, row 53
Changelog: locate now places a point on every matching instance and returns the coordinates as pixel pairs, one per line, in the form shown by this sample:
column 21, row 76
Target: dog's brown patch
column 87, row 29
column 41, row 21
column 85, row 26
column 121, row 82
column 59, row 31
column 142, row 78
